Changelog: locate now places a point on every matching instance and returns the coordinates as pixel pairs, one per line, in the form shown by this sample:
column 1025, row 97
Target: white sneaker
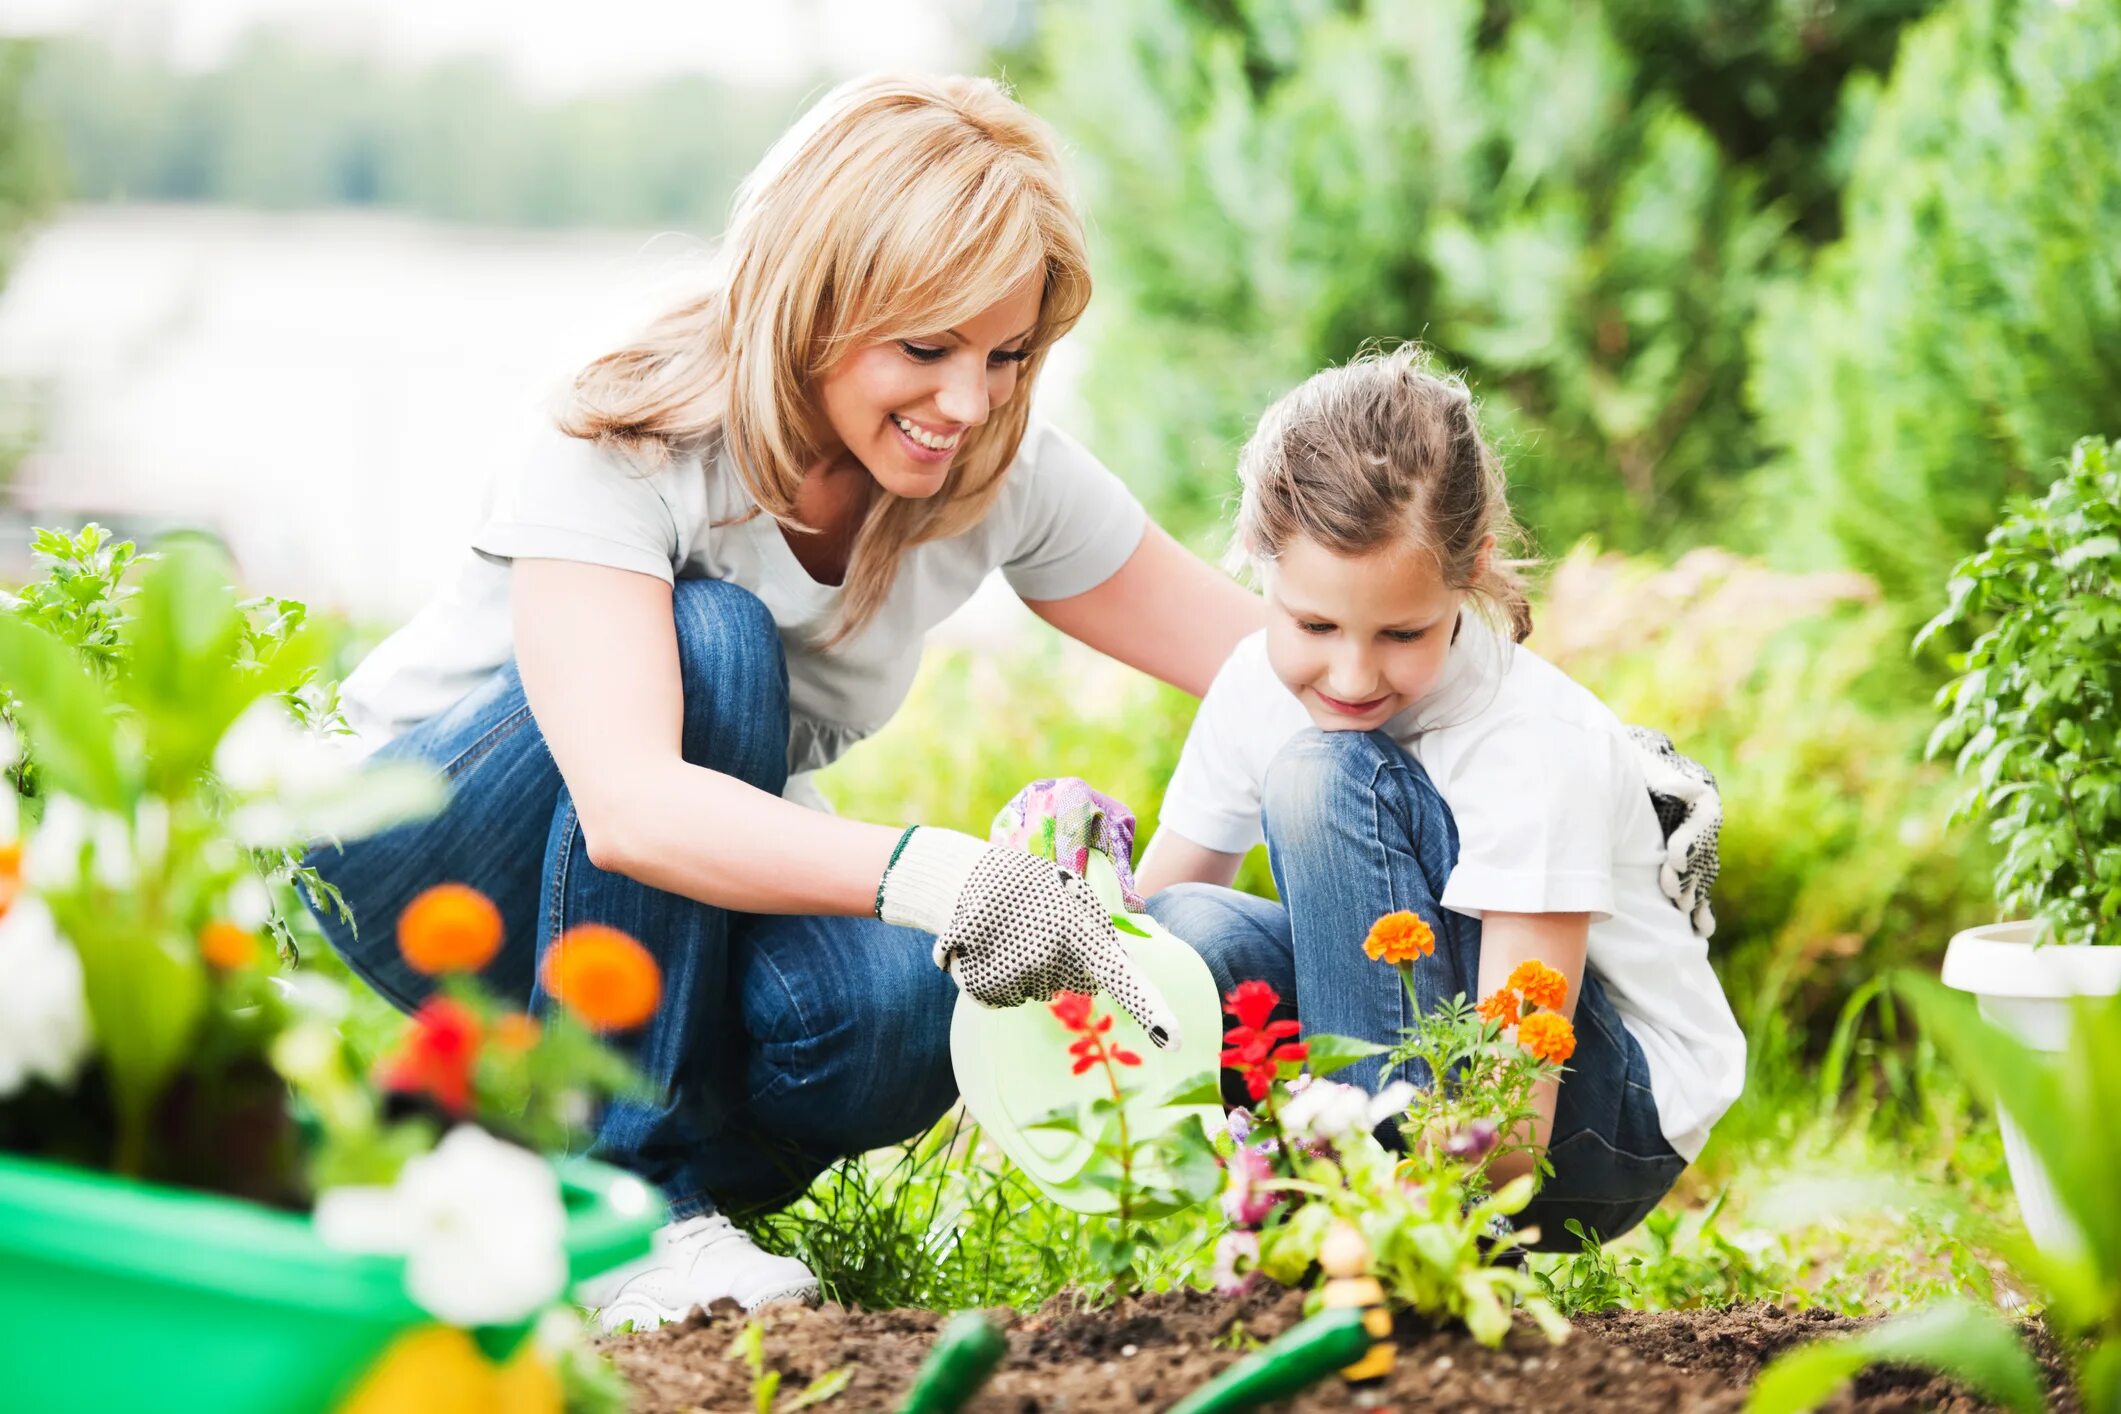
column 694, row 1262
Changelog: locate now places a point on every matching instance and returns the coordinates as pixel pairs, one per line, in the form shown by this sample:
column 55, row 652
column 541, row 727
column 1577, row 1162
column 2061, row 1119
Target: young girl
column 1397, row 749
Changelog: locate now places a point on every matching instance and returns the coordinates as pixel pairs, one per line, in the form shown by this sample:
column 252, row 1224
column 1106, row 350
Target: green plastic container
column 122, row 1296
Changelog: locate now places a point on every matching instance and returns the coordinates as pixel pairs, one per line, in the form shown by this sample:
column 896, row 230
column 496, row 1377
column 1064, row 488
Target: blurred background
column 1771, row 303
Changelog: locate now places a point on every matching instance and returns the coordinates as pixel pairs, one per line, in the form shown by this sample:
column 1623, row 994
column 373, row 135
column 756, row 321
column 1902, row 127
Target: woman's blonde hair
column 1385, row 450
column 894, row 208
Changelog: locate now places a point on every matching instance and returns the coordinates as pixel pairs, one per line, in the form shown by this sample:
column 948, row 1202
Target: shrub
column 2034, row 711
column 1968, row 328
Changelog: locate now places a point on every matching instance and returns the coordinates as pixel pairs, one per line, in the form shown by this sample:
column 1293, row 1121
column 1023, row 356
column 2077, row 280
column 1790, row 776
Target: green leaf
column 68, row 714
column 822, row 1388
column 1330, row 1053
column 1127, row 925
column 1955, row 1338
column 1204, row 1088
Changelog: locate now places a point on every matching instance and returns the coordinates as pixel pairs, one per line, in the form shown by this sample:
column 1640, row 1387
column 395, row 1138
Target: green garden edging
column 123, row 1295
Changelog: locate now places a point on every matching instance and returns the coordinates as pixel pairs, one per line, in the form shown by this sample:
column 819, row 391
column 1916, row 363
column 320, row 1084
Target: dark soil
column 1143, row 1355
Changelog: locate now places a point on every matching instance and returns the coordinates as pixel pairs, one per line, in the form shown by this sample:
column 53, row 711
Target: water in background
column 328, row 392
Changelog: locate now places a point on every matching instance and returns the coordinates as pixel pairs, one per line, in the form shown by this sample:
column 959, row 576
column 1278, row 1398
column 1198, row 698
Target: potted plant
column 197, row 1161
column 2034, row 717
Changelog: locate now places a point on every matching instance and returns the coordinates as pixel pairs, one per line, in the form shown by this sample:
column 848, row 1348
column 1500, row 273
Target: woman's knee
column 736, row 682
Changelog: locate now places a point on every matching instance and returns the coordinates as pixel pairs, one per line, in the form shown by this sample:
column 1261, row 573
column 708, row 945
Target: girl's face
column 1358, row 638
column 902, row 408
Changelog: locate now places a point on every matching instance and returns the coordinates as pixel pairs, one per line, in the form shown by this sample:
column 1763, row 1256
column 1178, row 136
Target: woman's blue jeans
column 782, row 1044
column 1355, row 830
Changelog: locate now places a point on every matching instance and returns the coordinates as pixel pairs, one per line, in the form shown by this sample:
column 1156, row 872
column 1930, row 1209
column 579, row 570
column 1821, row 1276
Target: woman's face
column 902, row 408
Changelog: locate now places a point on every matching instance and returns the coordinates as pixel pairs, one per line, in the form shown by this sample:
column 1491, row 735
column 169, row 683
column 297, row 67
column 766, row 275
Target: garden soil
column 1143, row 1355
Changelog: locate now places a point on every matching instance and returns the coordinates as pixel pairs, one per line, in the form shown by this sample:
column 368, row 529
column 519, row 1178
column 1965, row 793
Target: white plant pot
column 2026, row 990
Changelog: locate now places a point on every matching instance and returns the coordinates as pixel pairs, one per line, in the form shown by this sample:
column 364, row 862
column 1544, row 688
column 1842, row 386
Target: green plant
column 2036, row 710
column 125, row 705
column 750, row 1347
column 84, row 598
column 1148, row 1176
column 1432, row 1228
column 2063, row 1102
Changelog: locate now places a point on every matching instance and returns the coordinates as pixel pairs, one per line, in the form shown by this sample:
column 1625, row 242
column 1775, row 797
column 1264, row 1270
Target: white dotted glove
column 1690, row 812
column 1013, row 928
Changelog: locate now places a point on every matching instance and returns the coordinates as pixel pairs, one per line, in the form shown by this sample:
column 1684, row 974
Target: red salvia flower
column 1257, row 1046
column 437, row 1054
column 1072, row 1010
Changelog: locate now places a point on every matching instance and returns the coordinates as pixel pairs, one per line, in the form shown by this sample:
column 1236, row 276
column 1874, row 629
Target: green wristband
column 896, row 850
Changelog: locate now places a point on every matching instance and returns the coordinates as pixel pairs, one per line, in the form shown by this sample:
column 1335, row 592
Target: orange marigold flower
column 604, row 977
column 10, row 873
column 449, row 928
column 516, row 1032
column 227, row 945
column 1540, row 984
column 1500, row 1005
column 1399, row 937
column 1547, row 1035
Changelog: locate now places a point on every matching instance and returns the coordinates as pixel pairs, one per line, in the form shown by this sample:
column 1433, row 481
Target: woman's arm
column 1560, row 940
column 1165, row 611
column 598, row 652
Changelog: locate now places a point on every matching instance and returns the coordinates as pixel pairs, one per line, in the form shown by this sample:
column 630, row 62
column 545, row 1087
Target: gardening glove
column 1063, row 820
column 1012, row 928
column 1690, row 812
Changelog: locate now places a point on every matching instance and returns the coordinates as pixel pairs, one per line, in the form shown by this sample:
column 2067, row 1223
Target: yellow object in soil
column 1345, row 1258
column 441, row 1370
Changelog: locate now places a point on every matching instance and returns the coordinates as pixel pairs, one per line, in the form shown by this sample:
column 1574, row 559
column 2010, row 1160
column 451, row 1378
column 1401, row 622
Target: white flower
column 52, row 858
column 44, row 1031
column 480, row 1223
column 249, row 903
column 1328, row 1109
column 267, row 752
column 297, row 785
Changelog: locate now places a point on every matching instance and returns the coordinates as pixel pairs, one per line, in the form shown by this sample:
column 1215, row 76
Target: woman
column 711, row 579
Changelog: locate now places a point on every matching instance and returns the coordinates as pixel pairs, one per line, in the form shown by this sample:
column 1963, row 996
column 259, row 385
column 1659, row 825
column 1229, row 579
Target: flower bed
column 1144, row 1354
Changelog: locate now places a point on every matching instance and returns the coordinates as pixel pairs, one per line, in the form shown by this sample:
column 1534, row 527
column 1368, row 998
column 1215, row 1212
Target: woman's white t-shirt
column 1553, row 817
column 1061, row 525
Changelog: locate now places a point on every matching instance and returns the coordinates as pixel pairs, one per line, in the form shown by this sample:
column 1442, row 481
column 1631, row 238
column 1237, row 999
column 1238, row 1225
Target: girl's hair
column 894, row 208
column 1385, row 450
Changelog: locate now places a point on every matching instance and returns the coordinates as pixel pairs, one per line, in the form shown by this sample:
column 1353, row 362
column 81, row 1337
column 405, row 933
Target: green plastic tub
column 123, row 1296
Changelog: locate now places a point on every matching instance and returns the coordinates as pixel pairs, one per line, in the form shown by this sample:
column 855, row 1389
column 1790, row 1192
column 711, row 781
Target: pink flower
column 1230, row 1249
column 1248, row 1196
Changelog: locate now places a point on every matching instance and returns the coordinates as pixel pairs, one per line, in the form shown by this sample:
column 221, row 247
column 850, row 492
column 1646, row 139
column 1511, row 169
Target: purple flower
column 1470, row 1144
column 1240, row 1121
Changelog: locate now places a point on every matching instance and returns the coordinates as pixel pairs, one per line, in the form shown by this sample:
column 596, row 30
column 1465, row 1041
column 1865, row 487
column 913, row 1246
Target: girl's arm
column 1173, row 859
column 1560, row 940
column 598, row 652
column 1165, row 611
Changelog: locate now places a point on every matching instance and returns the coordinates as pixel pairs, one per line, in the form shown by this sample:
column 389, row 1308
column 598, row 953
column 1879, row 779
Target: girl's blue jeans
column 782, row 1044
column 1355, row 830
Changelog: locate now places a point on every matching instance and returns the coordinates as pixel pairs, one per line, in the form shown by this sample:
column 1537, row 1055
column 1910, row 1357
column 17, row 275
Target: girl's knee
column 1318, row 771
column 1239, row 936
column 736, row 682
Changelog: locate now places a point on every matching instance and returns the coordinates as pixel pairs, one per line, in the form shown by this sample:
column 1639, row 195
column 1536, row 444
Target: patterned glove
column 1012, row 928
column 1063, row 819
column 1691, row 814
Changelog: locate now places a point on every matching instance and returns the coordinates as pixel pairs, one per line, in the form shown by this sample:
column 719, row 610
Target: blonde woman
column 711, row 578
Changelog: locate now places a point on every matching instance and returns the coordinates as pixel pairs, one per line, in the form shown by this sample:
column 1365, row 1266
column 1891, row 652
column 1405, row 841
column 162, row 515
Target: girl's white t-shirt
column 1061, row 525
column 1553, row 817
